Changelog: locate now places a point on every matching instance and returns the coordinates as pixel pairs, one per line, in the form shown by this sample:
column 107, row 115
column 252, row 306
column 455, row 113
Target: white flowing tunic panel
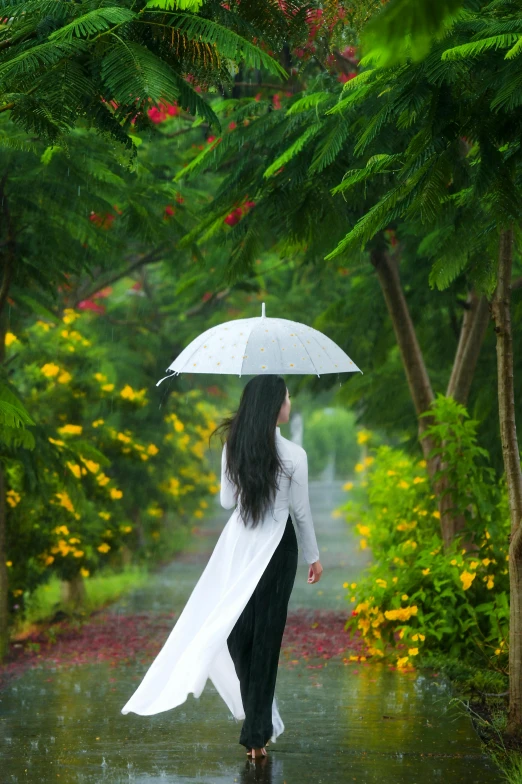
column 196, row 648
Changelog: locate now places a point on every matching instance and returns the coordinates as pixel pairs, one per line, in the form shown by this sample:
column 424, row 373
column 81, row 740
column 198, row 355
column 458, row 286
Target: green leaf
column 294, row 149
column 228, row 43
column 475, row 48
column 168, row 5
column 93, row 23
column 407, row 28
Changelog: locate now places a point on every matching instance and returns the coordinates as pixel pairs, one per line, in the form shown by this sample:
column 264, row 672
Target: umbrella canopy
column 249, row 347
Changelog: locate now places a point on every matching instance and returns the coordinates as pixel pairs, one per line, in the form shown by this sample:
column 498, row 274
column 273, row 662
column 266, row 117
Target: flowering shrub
column 111, row 474
column 417, row 598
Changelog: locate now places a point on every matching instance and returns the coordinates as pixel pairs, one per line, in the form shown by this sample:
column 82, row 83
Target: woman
column 231, row 628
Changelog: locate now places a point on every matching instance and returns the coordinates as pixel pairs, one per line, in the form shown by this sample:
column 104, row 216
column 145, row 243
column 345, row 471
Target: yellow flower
column 55, row 441
column 91, row 465
column 391, row 473
column 348, row 486
column 401, row 661
column 453, row 562
column 108, row 387
column 363, row 544
column 152, row 449
column 84, row 572
column 359, row 467
column 178, row 426
column 426, row 571
column 143, row 456
column 437, row 515
column 61, row 529
column 8, row 563
column 402, row 614
column 73, row 430
column 126, row 528
column 75, row 468
column 48, row 560
column 418, row 479
column 69, row 316
column 104, row 548
column 369, row 460
column 124, row 438
column 467, row 578
column 10, row 338
column 115, row 494
column 364, row 530
column 100, row 377
column 394, row 579
column 102, row 479
column 127, row 392
column 353, row 585
column 382, row 583
column 105, row 515
column 50, row 369
column 198, row 513
column 345, row 585
column 78, row 553
column 486, row 561
column 403, row 484
column 65, row 501
column 404, row 597
column 13, row 498
column 473, row 564
column 422, row 463
column 64, row 377
column 491, row 581
column 363, row 436
column 413, row 651
column 98, row 422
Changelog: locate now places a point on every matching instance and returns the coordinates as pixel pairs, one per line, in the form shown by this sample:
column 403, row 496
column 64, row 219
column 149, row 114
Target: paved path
column 344, row 723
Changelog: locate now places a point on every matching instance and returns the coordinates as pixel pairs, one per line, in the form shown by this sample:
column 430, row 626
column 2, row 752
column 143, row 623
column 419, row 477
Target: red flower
column 234, row 217
column 89, row 304
column 211, row 139
column 169, row 211
column 346, row 77
column 232, row 126
column 206, row 296
column 276, row 101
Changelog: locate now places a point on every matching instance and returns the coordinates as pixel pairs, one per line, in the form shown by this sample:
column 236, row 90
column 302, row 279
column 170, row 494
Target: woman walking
column 232, row 625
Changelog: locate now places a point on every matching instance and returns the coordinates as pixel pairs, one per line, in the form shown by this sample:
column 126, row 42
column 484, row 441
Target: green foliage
column 330, row 433
column 60, row 62
column 407, row 28
column 111, row 473
column 416, row 596
column 14, row 419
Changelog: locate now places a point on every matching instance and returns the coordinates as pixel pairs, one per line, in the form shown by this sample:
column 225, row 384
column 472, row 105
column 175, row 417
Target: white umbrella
column 261, row 345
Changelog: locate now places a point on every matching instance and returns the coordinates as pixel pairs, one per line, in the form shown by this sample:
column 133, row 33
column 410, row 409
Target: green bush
column 416, row 597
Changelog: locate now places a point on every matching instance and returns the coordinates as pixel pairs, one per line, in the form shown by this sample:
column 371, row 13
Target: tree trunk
column 472, row 333
column 501, row 311
column 73, row 593
column 419, row 383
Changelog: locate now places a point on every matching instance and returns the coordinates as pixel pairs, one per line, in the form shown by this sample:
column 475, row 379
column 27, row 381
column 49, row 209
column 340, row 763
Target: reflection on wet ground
column 361, row 722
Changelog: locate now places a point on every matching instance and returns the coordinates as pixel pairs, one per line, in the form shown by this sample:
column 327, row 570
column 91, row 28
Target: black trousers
column 255, row 641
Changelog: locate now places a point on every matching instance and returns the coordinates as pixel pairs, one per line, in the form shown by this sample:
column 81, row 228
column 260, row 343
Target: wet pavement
column 360, row 722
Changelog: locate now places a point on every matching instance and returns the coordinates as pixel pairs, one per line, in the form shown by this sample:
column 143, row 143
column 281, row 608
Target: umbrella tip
column 263, row 310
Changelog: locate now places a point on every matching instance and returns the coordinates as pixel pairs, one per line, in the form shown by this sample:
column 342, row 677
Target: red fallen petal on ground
column 113, row 639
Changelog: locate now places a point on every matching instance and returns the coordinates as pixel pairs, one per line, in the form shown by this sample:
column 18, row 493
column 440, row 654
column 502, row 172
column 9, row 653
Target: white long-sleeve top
column 292, row 496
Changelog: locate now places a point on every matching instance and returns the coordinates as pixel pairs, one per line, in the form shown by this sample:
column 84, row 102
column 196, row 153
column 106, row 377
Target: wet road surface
column 361, row 722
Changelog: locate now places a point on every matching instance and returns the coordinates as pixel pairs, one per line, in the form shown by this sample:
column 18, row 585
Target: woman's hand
column 314, row 572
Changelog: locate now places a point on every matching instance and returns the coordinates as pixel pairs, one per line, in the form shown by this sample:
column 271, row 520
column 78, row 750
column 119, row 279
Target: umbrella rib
column 203, row 337
column 310, row 358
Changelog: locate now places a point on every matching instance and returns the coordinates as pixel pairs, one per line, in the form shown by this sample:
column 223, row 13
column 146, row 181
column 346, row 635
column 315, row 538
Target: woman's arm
column 228, row 491
column 300, row 504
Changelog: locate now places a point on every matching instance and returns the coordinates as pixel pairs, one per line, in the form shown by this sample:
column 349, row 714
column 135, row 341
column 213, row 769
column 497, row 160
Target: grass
column 102, row 588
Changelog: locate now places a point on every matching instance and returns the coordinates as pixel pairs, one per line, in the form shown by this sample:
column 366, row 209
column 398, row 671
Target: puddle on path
column 361, row 723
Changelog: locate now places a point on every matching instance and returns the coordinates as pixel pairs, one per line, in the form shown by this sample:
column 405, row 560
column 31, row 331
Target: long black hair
column 253, row 461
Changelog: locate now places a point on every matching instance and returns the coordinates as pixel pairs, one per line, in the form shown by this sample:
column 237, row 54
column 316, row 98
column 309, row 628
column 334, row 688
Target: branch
column 150, row 258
